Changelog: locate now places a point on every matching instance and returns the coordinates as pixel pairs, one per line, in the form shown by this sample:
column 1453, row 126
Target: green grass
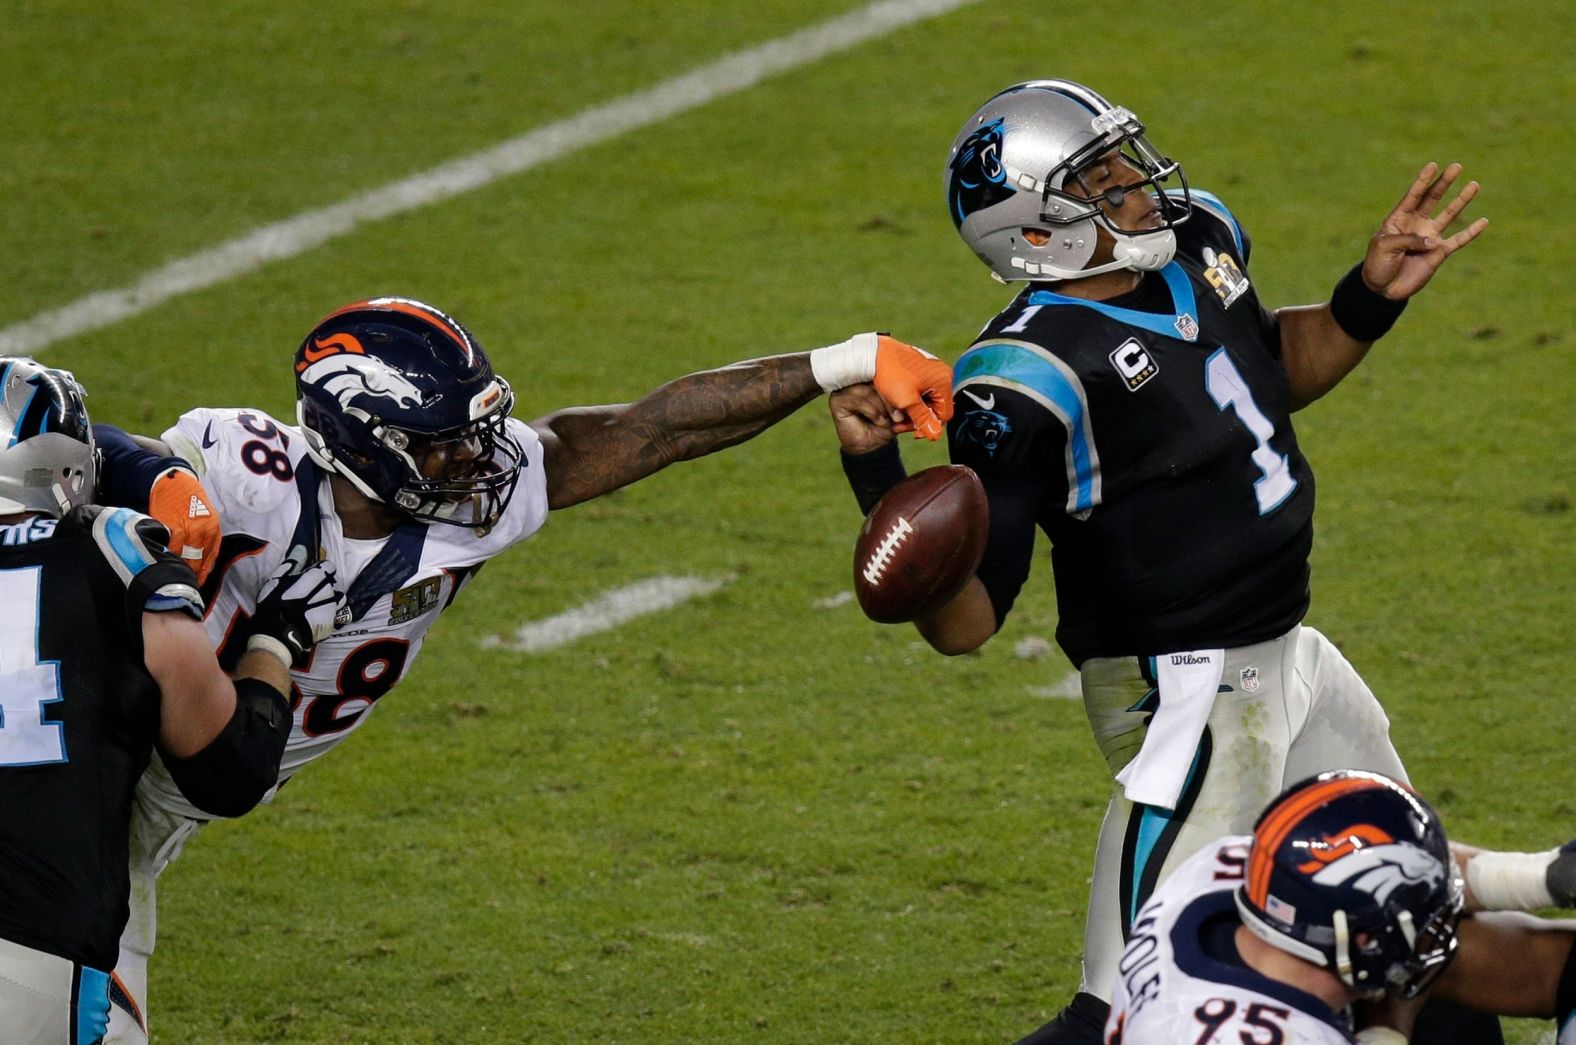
column 751, row 818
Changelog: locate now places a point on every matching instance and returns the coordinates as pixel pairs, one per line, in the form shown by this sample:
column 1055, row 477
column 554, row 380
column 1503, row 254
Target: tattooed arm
column 591, row 450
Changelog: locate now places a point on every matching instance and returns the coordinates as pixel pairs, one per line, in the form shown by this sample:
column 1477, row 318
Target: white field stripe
column 292, row 236
column 606, row 612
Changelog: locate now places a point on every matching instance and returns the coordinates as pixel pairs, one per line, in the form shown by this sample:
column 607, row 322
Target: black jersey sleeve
column 156, row 581
column 1016, row 409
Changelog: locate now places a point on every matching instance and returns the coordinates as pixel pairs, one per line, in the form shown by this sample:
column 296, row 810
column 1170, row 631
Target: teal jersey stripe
column 1056, row 387
column 1183, row 304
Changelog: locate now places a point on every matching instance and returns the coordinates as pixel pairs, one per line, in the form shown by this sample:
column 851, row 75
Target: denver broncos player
column 406, row 472
column 1134, row 402
column 1344, row 891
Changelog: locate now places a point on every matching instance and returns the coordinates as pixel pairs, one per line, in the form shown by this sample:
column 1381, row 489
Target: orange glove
column 915, row 382
column 178, row 501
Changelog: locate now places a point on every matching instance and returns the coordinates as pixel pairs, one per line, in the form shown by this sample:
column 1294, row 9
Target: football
column 921, row 543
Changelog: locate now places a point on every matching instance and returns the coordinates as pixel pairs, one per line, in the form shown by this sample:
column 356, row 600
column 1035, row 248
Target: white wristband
column 269, row 644
column 1511, row 881
column 845, row 363
column 1381, row 1036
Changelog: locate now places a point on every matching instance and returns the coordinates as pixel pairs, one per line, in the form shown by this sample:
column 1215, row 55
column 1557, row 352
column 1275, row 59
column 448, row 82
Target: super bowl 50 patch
column 1225, row 275
column 410, row 603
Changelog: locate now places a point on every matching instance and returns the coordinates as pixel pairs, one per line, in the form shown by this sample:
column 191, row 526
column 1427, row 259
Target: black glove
column 295, row 610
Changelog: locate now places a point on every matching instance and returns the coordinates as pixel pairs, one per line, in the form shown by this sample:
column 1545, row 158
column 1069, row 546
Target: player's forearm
column 699, row 413
column 1315, row 352
column 131, row 464
column 593, row 450
column 964, row 624
column 1509, row 963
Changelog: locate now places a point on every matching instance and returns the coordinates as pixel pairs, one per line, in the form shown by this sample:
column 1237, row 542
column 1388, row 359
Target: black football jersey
column 80, row 716
column 1150, row 437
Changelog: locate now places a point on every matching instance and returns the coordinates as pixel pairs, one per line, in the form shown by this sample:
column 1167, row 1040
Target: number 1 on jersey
column 1224, row 383
column 26, row 685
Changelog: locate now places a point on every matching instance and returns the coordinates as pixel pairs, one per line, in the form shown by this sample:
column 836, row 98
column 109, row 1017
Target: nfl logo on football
column 1250, row 679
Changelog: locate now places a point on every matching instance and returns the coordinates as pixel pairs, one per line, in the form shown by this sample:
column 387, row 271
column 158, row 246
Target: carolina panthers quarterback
column 406, row 472
column 1133, row 401
column 1344, row 891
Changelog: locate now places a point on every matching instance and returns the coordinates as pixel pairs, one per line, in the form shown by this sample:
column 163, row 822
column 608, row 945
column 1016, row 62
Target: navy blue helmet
column 1351, row 871
column 400, row 399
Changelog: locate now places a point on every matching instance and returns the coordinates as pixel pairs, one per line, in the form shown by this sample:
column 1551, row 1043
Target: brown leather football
column 921, row 543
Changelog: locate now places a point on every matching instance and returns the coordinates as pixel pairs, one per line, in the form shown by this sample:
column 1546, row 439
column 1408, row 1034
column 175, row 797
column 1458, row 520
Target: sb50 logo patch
column 1225, row 275
column 1133, row 361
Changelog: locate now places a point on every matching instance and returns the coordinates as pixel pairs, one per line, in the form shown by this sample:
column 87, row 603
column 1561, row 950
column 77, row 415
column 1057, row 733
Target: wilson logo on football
column 881, row 558
column 322, row 348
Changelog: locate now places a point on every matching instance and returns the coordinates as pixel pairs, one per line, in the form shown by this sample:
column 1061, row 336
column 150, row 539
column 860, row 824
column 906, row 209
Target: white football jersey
column 1179, row 981
column 249, row 463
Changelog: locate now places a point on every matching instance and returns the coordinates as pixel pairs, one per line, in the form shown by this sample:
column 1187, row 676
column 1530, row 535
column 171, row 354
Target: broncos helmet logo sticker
column 1380, row 870
column 354, row 380
column 978, row 179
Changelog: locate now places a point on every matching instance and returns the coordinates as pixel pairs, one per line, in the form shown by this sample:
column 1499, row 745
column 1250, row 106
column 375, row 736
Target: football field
column 751, row 814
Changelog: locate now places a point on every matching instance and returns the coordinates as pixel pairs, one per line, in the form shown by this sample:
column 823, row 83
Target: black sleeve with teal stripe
column 1006, row 437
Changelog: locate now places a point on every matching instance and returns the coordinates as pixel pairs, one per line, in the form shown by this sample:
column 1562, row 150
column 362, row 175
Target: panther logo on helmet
column 978, row 178
column 354, row 379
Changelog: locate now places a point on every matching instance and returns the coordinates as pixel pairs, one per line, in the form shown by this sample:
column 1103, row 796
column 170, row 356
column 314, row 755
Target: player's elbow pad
column 236, row 769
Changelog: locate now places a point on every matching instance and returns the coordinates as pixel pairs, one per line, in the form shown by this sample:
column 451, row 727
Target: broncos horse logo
column 978, row 179
column 1380, row 870
column 354, row 380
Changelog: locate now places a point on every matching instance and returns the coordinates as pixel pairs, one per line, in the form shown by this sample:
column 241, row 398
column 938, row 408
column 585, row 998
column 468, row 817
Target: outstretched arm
column 1321, row 344
column 591, row 450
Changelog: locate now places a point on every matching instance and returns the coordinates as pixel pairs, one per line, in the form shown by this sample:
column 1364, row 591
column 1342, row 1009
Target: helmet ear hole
column 1035, row 237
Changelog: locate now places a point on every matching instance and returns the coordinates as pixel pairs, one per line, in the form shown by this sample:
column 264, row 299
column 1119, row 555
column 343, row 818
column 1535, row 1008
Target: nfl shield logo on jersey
column 1250, row 679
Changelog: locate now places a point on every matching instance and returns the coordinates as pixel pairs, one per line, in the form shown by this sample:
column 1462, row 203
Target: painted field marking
column 606, row 612
column 296, row 235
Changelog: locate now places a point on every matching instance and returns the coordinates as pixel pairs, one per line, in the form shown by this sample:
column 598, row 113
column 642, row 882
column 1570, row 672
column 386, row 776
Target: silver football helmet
column 1015, row 166
column 48, row 462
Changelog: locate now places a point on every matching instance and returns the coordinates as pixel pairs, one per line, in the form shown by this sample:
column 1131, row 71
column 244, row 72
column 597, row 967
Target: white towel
column 1188, row 683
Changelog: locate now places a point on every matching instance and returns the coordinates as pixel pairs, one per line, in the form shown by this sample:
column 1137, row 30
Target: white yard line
column 296, row 235
column 606, row 612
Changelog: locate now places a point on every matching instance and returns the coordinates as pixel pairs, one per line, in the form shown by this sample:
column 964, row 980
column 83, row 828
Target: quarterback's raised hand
column 177, row 499
column 1411, row 243
column 295, row 610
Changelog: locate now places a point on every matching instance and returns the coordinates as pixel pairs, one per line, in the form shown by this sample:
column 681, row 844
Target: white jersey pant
column 49, row 1000
column 157, row 836
column 1288, row 709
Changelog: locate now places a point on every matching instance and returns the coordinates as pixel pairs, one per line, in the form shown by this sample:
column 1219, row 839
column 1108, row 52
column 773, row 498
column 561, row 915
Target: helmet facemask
column 461, row 476
column 1122, row 135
